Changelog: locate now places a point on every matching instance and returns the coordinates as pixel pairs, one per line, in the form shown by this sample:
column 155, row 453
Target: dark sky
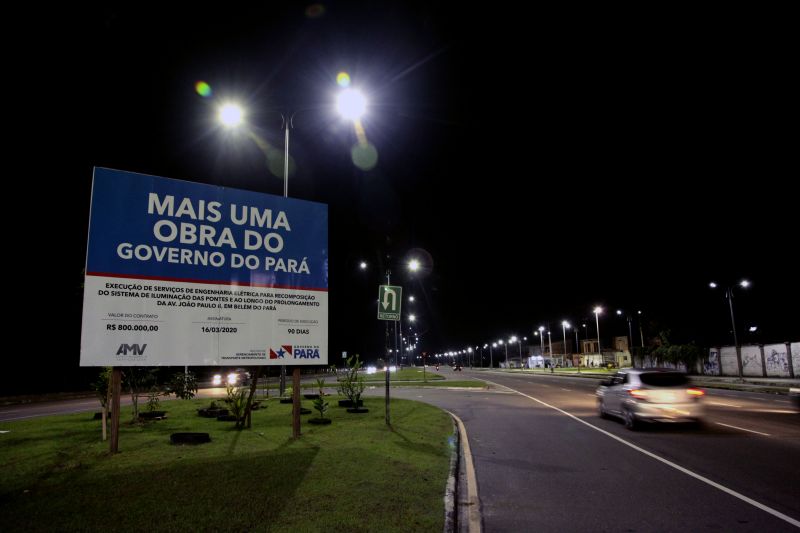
column 540, row 162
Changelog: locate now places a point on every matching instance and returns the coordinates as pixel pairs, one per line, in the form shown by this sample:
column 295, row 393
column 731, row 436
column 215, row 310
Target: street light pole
column 597, row 311
column 541, row 344
column 630, row 335
column 564, row 326
column 729, row 295
column 641, row 333
column 491, row 358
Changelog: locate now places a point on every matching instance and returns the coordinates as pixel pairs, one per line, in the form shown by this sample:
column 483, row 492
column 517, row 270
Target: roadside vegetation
column 353, row 475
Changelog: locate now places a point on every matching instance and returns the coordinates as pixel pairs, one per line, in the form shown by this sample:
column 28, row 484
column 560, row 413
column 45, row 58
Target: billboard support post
column 116, row 385
column 296, row 402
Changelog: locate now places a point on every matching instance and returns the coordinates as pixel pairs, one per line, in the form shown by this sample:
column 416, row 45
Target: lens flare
column 315, row 11
column 364, row 156
column 343, row 79
column 275, row 162
column 203, row 89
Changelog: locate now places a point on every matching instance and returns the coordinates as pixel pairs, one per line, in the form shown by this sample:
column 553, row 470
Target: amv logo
column 135, row 349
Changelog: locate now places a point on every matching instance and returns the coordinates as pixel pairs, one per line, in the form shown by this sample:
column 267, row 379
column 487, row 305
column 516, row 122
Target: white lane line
column 743, row 429
column 781, row 401
column 723, row 403
column 568, row 390
column 770, row 510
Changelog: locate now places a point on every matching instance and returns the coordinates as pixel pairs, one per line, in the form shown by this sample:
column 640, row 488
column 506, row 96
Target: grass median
column 353, row 475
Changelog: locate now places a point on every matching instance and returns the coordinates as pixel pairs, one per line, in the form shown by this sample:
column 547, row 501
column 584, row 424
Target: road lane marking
column 725, row 404
column 568, row 390
column 754, row 503
column 743, row 429
column 43, row 414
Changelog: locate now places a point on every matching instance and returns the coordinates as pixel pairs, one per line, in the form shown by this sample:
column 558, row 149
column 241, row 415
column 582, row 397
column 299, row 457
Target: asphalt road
column 546, row 462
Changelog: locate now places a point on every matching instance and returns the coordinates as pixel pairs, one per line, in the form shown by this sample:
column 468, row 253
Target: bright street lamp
column 231, row 115
column 351, row 104
column 564, row 326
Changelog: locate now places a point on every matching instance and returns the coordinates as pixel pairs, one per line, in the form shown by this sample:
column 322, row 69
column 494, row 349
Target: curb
column 462, row 505
column 450, row 490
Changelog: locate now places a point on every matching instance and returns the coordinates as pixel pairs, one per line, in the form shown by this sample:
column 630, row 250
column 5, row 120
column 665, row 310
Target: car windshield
column 664, row 379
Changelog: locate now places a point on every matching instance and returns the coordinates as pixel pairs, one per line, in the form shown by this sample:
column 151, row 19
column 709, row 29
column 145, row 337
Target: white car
column 650, row 395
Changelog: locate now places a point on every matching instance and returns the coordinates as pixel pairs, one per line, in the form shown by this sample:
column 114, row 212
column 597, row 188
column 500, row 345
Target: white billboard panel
column 181, row 273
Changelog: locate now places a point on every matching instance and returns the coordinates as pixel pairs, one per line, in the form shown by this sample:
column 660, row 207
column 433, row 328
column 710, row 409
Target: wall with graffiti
column 775, row 361
column 710, row 367
column 751, row 361
column 796, row 358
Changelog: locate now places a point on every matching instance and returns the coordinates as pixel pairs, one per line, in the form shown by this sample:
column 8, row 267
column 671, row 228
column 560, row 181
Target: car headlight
column 217, row 380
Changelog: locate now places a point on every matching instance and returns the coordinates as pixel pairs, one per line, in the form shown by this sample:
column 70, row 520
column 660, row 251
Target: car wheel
column 601, row 408
column 630, row 420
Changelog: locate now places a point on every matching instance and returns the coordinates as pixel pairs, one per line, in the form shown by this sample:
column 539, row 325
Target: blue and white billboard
column 181, row 273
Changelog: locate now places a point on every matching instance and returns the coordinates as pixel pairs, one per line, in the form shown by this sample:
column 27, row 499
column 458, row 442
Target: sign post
column 390, row 301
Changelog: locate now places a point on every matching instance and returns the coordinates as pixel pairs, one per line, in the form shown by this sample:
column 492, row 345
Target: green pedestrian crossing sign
column 390, row 298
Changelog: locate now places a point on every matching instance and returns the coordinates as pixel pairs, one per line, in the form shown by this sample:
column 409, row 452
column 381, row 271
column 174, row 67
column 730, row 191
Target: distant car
column 234, row 378
column 457, row 367
column 794, row 397
column 650, row 395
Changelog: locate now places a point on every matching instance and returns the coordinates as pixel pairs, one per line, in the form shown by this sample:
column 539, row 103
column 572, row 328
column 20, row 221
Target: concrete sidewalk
column 772, row 385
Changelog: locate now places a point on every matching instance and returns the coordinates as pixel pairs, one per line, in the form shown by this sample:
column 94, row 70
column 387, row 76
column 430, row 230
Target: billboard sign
column 181, row 273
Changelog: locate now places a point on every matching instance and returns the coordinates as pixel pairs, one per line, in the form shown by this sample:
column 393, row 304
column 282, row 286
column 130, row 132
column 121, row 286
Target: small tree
column 101, row 387
column 101, row 384
column 320, row 404
column 352, row 384
column 182, row 385
column 138, row 380
column 152, row 400
column 237, row 401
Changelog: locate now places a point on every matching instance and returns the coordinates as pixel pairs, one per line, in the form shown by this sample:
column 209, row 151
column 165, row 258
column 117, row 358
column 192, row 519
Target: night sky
column 538, row 163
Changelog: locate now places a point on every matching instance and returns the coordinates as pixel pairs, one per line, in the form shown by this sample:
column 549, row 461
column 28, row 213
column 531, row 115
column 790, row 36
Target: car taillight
column 638, row 394
column 695, row 392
